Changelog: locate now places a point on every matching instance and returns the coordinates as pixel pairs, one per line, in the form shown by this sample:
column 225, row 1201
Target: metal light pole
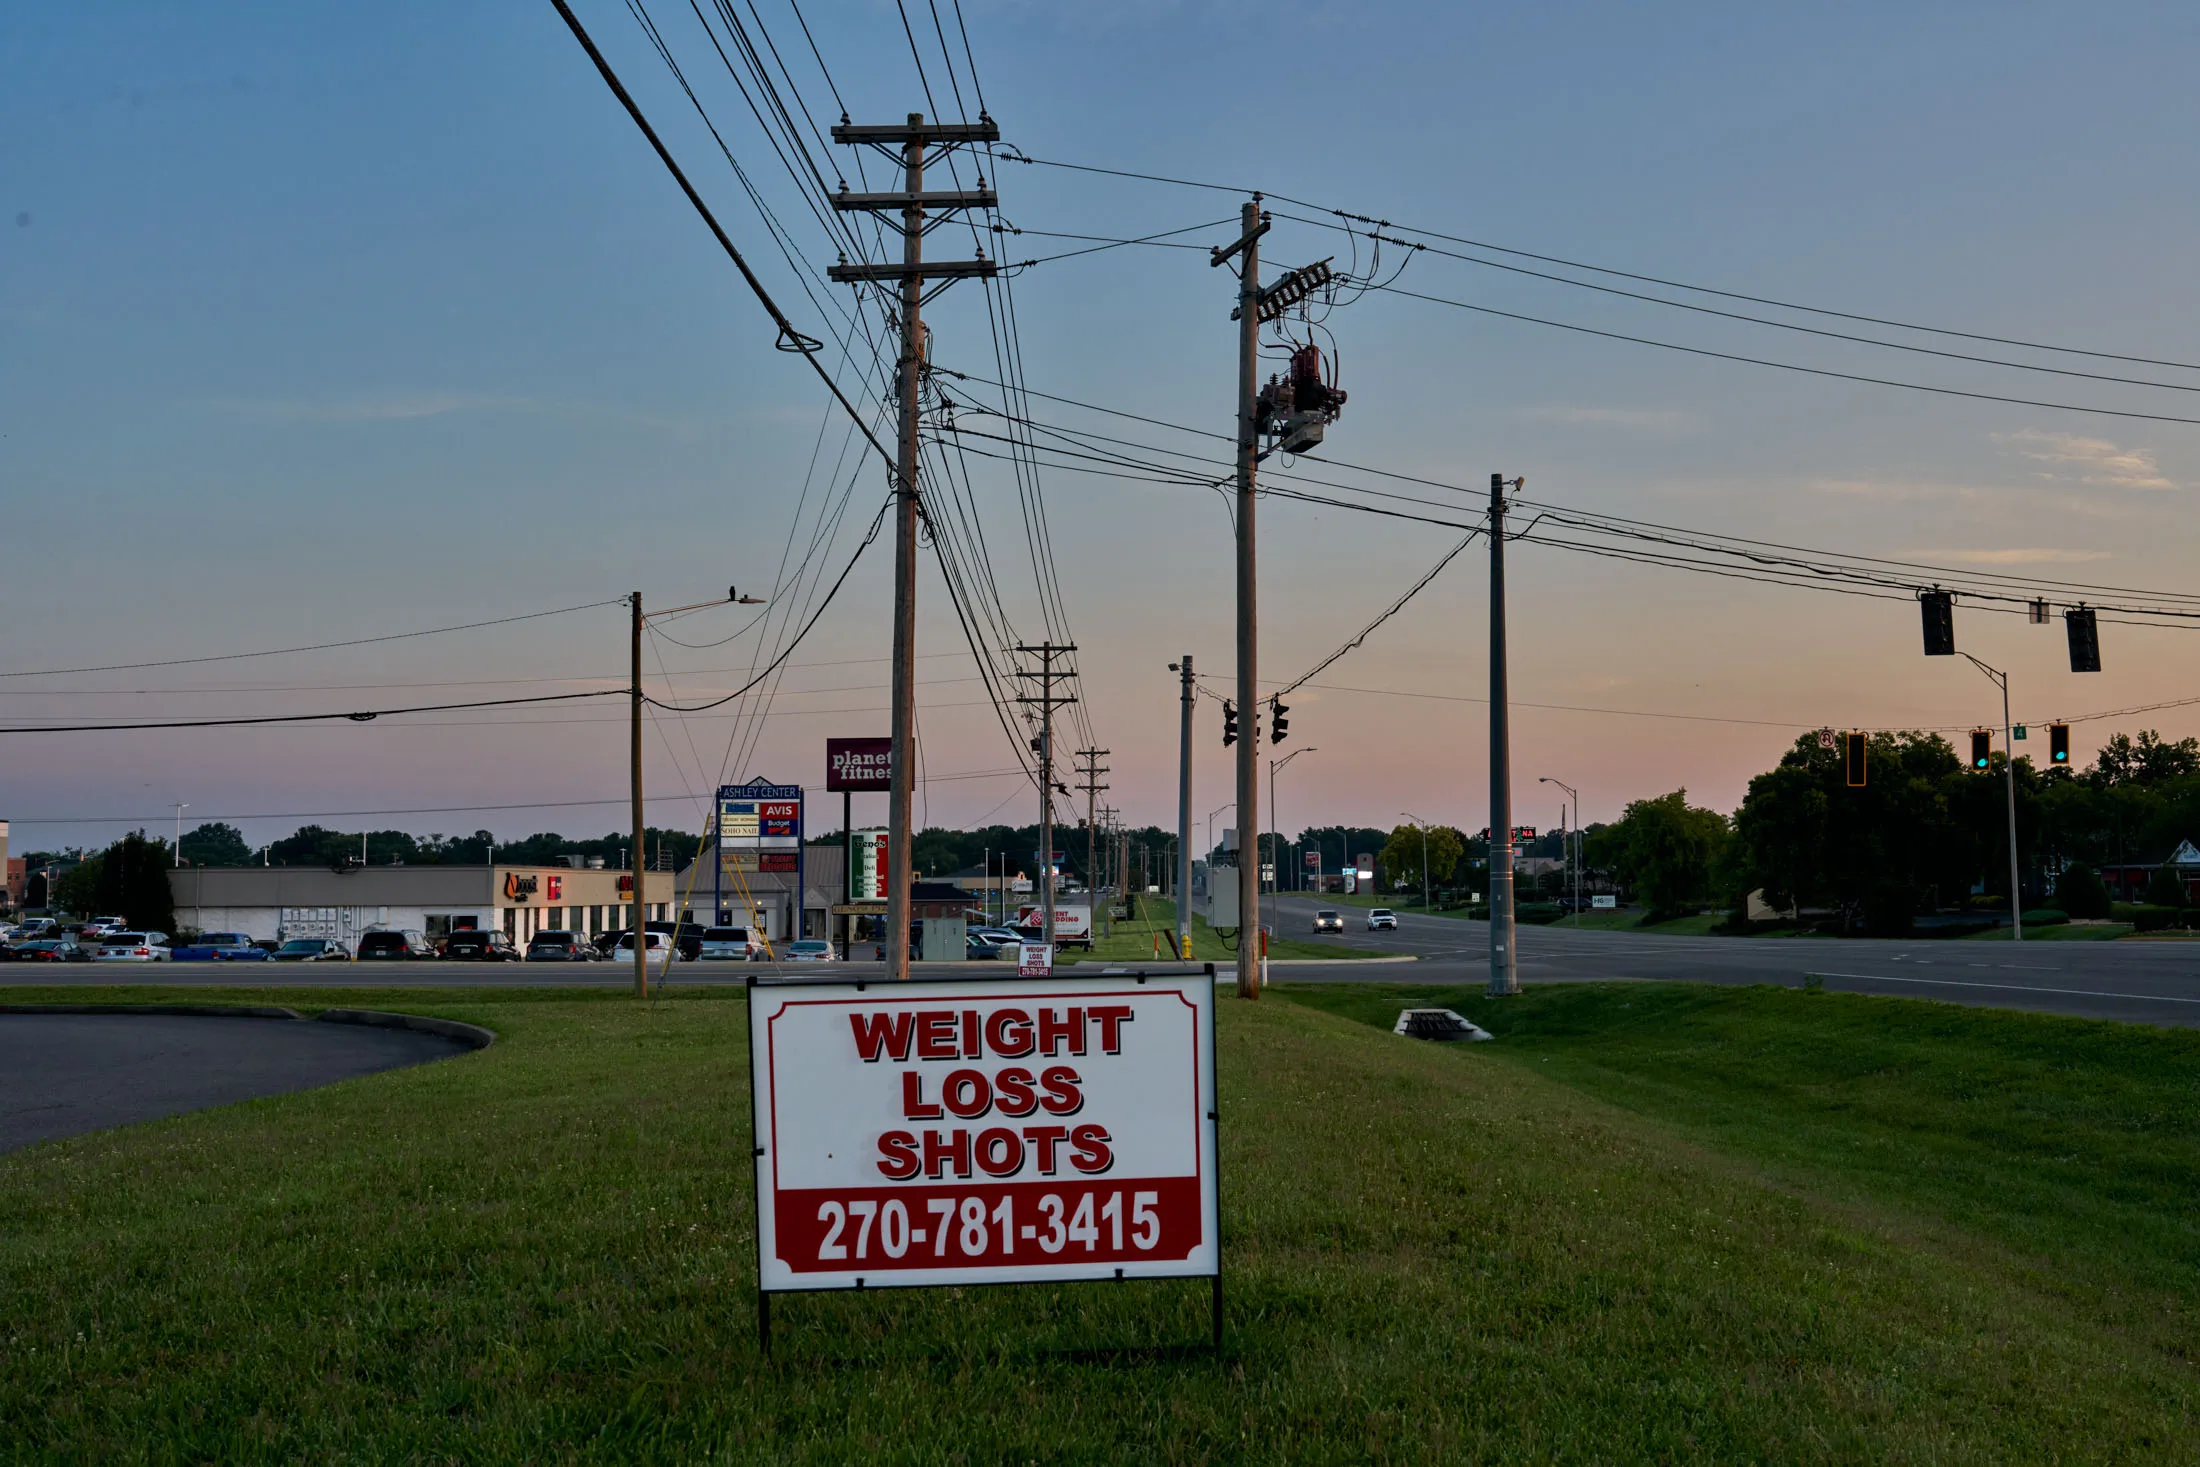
column 1183, row 863
column 181, row 806
column 1275, row 831
column 1211, row 814
column 1572, row 845
column 1423, row 825
column 2009, row 769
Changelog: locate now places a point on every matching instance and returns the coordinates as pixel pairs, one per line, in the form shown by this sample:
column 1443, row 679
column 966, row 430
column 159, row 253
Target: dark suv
column 396, row 947
column 560, row 947
column 480, row 945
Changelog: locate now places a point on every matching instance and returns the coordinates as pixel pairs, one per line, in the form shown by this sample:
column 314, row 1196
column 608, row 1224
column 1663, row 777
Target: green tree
column 2148, row 759
column 76, row 890
column 215, row 844
column 1664, row 851
column 133, row 883
column 2166, row 888
column 1409, row 846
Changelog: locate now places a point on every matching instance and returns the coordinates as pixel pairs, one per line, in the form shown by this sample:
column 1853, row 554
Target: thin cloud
column 393, row 408
column 2013, row 556
column 1647, row 420
column 2092, row 460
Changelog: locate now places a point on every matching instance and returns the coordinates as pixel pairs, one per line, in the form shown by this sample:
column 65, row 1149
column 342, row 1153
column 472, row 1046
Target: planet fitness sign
column 979, row 1131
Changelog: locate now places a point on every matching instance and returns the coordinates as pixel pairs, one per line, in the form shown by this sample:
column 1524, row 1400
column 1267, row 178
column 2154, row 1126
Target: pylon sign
column 984, row 1131
column 759, row 829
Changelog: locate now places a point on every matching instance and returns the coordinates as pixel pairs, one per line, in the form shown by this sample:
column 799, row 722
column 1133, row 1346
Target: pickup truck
column 1072, row 925
column 218, row 947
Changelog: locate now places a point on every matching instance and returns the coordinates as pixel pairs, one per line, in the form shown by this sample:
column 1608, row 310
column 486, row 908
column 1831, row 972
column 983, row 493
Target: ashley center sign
column 984, row 1131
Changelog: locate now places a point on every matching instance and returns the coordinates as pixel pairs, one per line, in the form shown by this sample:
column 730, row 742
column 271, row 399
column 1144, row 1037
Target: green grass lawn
column 2061, row 933
column 1133, row 942
column 1649, row 1223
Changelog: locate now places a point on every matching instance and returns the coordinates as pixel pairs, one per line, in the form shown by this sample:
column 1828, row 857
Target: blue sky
column 320, row 322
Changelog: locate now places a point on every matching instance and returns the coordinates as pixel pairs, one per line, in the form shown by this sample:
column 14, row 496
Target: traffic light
column 2058, row 743
column 1982, row 746
column 2085, row 639
column 1229, row 723
column 1279, row 725
column 1940, row 622
column 1852, row 759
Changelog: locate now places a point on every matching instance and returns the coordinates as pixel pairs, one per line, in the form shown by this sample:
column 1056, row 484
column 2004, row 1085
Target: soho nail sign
column 978, row 1131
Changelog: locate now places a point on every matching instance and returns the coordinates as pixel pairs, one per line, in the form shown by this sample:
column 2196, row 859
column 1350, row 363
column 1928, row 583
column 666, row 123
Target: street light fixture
column 1572, row 845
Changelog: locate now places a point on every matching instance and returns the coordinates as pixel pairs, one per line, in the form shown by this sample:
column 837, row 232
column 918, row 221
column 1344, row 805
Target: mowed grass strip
column 542, row 1252
column 2071, row 1147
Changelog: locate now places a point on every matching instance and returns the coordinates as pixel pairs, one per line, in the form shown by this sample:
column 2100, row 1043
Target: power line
column 316, row 647
column 1607, row 270
column 361, row 716
column 1728, row 356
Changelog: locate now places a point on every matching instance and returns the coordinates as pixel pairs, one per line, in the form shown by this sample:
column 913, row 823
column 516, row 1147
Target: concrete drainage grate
column 1441, row 1025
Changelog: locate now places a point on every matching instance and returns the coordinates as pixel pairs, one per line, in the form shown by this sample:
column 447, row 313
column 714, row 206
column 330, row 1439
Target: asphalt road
column 64, row 1074
column 2144, row 982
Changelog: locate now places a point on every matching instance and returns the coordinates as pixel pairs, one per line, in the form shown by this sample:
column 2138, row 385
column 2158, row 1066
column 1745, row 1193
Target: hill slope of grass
column 542, row 1252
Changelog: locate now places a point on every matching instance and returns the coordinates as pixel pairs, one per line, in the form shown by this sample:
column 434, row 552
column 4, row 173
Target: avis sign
column 982, row 1131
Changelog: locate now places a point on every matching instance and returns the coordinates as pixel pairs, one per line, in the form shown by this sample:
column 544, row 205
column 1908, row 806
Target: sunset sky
column 321, row 323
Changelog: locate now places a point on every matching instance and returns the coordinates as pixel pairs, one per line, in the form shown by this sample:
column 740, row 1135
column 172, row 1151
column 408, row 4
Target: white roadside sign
column 975, row 1131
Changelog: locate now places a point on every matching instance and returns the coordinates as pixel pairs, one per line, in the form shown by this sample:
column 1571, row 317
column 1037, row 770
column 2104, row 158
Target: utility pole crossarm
column 928, row 270
column 965, row 198
column 916, row 130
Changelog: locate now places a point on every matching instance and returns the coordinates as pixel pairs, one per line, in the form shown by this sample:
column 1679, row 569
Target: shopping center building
column 282, row 902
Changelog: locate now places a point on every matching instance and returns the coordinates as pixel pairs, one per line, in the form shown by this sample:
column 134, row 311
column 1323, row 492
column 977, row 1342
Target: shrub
column 2081, row 892
column 2165, row 888
column 1540, row 914
column 2046, row 917
column 2156, row 919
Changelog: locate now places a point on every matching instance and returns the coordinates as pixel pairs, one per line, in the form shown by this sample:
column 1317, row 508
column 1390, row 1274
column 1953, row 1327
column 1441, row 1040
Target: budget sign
column 994, row 1130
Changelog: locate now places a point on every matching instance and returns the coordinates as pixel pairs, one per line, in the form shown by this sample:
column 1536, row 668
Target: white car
column 724, row 944
column 1381, row 918
column 658, row 942
column 132, row 947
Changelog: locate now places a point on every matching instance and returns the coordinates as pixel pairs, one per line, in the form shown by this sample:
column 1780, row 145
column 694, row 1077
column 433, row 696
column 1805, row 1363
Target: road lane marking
column 2013, row 987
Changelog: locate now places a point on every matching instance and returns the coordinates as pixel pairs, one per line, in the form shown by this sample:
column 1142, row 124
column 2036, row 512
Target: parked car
column 722, row 944
column 312, row 950
column 977, row 950
column 218, row 947
column 394, row 946
column 998, row 936
column 51, row 950
column 132, row 947
column 1328, row 922
column 689, row 935
column 654, row 946
column 556, row 945
column 480, row 945
column 809, row 950
column 1380, row 918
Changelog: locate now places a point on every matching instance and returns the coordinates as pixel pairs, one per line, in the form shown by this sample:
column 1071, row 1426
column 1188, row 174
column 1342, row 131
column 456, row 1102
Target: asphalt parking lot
column 65, row 1074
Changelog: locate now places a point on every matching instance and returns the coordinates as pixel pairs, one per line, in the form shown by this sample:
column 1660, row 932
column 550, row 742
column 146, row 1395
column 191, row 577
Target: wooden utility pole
column 1504, row 958
column 1255, row 224
column 907, row 145
column 1048, row 700
column 1092, row 771
column 641, row 943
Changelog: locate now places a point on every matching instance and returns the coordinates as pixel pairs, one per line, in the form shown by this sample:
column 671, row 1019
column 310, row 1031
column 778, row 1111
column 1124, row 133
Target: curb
column 185, row 1010
column 473, row 1036
column 1355, row 962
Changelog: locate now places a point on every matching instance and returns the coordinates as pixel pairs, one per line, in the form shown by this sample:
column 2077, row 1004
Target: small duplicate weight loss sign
column 985, row 1130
